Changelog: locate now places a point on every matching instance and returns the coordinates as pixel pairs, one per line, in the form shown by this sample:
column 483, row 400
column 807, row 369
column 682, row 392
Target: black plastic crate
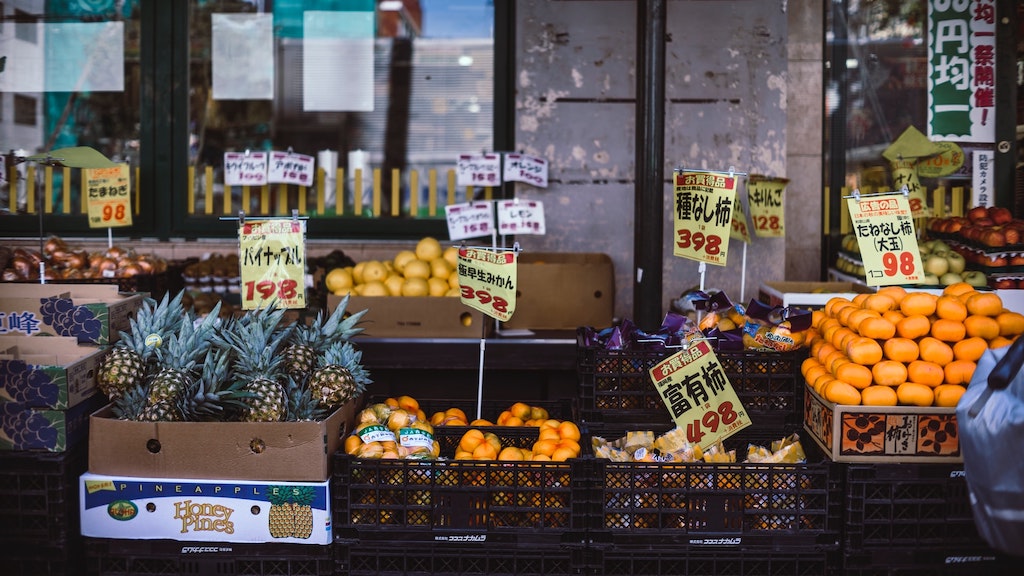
column 39, row 497
column 55, row 559
column 115, row 557
column 908, row 505
column 428, row 499
column 396, row 557
column 615, row 385
column 929, row 561
column 715, row 505
column 641, row 561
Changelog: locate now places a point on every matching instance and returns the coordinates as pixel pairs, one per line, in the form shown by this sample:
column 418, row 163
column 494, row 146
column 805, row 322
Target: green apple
column 930, row 280
column 975, row 278
column 957, row 263
column 936, row 265
column 950, row 278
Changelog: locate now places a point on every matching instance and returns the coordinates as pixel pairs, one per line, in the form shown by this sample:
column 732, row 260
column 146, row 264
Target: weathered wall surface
column 726, row 91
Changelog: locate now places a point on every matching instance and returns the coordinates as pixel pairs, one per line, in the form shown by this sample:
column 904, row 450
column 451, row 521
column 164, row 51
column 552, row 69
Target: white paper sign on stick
column 520, row 217
column 245, row 168
column 529, row 169
column 478, row 170
column 291, row 168
column 469, row 220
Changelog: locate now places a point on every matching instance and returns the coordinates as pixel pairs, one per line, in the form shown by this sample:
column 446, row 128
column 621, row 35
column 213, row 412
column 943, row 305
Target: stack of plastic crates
column 39, row 512
column 120, row 557
column 913, row 519
column 451, row 516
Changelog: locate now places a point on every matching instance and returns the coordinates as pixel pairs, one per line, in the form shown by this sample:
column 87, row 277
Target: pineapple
column 256, row 342
column 177, row 367
column 127, row 363
column 130, row 404
column 214, row 396
column 307, row 343
column 302, row 406
column 339, row 376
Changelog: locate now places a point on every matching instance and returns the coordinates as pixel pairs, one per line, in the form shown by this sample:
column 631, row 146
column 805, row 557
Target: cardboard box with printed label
column 200, row 510
column 285, row 451
column 44, row 429
column 48, row 372
column 415, row 317
column 808, row 294
column 94, row 314
column 563, row 291
column 882, row 433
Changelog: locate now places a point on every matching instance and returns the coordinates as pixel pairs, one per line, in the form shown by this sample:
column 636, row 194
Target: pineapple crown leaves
column 153, row 318
column 191, row 342
column 213, row 397
column 255, row 340
column 347, row 356
column 344, row 328
column 129, row 406
column 302, row 406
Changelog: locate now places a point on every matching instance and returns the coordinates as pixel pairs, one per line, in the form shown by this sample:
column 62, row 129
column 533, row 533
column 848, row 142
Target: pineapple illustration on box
column 291, row 512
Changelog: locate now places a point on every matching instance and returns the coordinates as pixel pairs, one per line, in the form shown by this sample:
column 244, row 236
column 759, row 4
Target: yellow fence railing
column 943, row 202
column 61, row 192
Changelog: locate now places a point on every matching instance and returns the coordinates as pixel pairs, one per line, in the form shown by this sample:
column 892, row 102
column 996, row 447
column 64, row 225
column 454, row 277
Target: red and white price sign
column 469, row 220
column 290, row 168
column 478, row 170
column 703, row 215
column 884, row 226
column 740, row 230
column 529, row 169
column 272, row 258
column 766, row 197
column 487, row 281
column 108, row 196
column 520, row 217
column 699, row 396
column 245, row 168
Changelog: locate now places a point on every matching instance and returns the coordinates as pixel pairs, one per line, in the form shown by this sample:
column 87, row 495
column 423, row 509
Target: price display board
column 740, row 230
column 703, row 215
column 478, row 170
column 487, row 281
column 245, row 168
column 699, row 396
column 766, row 197
column 290, row 168
column 529, row 169
column 904, row 175
column 272, row 256
column 520, row 217
column 884, row 227
column 108, row 196
column 469, row 220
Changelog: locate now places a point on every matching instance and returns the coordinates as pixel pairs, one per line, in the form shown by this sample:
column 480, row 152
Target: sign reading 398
column 487, row 281
column 884, row 227
column 703, row 206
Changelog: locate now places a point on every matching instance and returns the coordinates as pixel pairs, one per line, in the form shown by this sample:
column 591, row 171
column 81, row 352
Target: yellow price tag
column 699, row 396
column 703, row 215
column 487, row 281
column 108, row 196
column 884, row 227
column 740, row 230
column 272, row 257
column 904, row 173
column 766, row 197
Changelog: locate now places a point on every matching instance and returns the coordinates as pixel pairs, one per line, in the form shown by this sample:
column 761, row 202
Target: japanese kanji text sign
column 272, row 256
column 884, row 227
column 487, row 281
column 702, row 208
column 108, row 196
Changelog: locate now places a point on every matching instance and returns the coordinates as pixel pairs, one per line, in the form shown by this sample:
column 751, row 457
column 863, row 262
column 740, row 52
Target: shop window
column 25, row 110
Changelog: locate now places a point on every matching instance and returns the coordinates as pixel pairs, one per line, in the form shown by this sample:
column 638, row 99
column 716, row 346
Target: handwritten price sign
column 767, row 207
column 487, row 280
column 703, row 215
column 482, row 170
column 108, row 197
column 245, row 168
column 699, row 396
column 469, row 220
column 529, row 169
column 273, row 262
column 884, row 227
column 290, row 168
column 740, row 230
column 520, row 217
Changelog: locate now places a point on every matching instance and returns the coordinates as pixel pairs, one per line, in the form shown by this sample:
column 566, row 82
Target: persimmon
column 935, row 350
column 877, row 328
column 918, row 304
column 841, row 393
column 985, row 304
column 889, row 372
column 470, row 440
column 913, row 394
column 844, row 313
column 836, row 302
column 985, row 327
column 925, row 372
column 544, row 447
column 1010, row 323
column 900, row 349
column 863, row 350
column 856, row 375
column 999, row 342
column 841, row 336
column 859, row 315
column 834, row 360
column 958, row 288
column 897, row 293
column 821, row 350
column 914, row 326
column 859, row 299
column 879, row 302
column 959, row 371
column 894, row 316
column 950, row 308
column 948, row 330
column 970, row 349
column 821, row 382
column 879, row 396
column 817, row 317
column 948, row 395
column 807, row 364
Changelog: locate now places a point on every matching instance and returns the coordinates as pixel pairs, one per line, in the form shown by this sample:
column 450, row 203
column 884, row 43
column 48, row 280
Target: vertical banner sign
column 273, row 262
column 703, row 215
column 904, row 174
column 520, row 217
column 108, row 196
column 245, row 168
column 885, row 233
column 740, row 230
column 699, row 396
column 962, row 70
column 981, row 178
column 481, row 170
column 469, row 220
column 487, row 281
column 290, row 168
column 529, row 169
column 767, row 206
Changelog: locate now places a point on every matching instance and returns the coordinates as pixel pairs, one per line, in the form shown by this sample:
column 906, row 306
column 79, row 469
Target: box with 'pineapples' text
column 277, row 451
column 94, row 314
column 47, row 372
column 198, row 510
column 849, row 433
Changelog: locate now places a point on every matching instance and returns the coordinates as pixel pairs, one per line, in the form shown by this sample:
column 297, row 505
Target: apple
column 957, row 263
column 975, row 278
column 994, row 237
column 950, row 278
column 1000, row 214
column 930, row 280
column 1012, row 235
column 976, row 213
column 936, row 265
